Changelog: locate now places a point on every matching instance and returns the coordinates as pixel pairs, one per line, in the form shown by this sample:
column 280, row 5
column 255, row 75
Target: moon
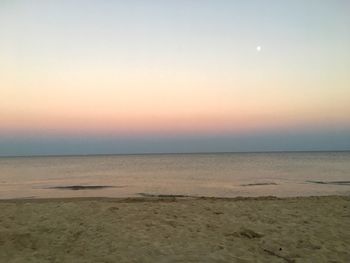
column 258, row 48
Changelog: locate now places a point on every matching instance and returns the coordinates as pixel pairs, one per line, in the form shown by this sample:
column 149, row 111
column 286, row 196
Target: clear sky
column 173, row 76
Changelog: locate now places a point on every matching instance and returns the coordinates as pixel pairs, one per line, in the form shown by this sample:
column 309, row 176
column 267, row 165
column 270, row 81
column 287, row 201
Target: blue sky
column 80, row 77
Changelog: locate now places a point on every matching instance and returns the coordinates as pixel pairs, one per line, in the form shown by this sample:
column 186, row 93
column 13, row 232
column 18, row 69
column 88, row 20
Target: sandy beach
column 168, row 229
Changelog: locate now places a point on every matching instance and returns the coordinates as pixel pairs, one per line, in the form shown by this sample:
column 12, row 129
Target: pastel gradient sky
column 84, row 77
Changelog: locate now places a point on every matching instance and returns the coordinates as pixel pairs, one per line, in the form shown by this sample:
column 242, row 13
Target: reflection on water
column 224, row 175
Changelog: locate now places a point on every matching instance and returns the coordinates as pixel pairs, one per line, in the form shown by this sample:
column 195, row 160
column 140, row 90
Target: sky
column 94, row 77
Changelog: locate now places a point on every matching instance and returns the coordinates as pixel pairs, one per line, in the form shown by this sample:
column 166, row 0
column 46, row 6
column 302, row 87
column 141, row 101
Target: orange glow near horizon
column 165, row 103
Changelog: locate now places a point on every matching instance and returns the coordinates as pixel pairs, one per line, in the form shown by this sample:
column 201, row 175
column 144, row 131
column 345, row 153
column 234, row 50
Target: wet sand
column 176, row 229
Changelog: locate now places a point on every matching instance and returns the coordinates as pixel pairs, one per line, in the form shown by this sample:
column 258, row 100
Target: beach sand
column 154, row 229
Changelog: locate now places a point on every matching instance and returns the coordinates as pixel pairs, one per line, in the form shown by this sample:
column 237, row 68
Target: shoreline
column 165, row 198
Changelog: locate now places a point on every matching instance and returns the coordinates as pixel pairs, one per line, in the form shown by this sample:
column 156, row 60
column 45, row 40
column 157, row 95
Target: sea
column 281, row 174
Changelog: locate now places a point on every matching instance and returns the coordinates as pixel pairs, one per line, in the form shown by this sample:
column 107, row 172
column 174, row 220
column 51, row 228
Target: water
column 221, row 175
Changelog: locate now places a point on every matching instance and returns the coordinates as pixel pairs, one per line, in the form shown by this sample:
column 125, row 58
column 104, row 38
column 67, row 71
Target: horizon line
column 169, row 153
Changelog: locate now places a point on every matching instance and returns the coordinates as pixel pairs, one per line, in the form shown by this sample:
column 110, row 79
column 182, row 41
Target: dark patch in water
column 257, row 184
column 83, row 187
column 162, row 196
column 331, row 182
column 24, row 198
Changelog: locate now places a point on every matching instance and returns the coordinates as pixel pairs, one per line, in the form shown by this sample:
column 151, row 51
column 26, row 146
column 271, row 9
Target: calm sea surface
column 222, row 175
